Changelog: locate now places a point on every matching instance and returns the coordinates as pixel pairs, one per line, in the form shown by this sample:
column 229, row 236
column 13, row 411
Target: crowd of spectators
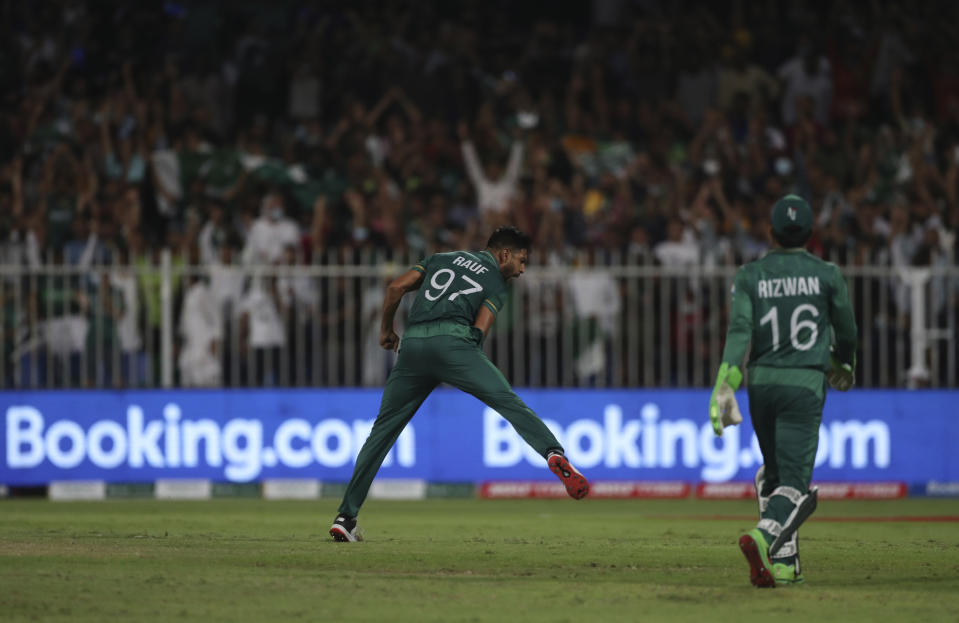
column 295, row 132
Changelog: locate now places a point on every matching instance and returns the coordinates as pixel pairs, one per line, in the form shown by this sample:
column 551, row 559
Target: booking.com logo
column 651, row 441
column 175, row 442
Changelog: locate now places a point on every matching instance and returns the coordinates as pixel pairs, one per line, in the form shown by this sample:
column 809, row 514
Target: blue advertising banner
column 248, row 435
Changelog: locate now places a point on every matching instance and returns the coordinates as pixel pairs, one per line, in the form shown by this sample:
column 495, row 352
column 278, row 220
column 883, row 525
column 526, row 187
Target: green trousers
column 424, row 363
column 786, row 420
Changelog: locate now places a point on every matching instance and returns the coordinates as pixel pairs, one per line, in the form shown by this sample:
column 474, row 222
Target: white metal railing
column 583, row 322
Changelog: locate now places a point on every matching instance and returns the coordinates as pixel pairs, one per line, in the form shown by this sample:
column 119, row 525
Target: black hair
column 508, row 237
column 792, row 237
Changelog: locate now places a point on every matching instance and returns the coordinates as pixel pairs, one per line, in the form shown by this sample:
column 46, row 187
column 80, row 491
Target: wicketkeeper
column 788, row 304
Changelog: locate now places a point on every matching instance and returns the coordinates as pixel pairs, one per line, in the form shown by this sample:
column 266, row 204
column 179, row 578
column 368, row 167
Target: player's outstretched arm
column 407, row 282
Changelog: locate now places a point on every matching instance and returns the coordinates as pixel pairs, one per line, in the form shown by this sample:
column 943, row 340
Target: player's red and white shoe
column 576, row 485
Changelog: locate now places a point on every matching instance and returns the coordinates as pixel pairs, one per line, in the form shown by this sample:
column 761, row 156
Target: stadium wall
column 232, row 437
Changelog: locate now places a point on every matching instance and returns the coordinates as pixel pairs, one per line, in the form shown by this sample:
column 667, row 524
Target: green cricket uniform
column 441, row 345
column 788, row 304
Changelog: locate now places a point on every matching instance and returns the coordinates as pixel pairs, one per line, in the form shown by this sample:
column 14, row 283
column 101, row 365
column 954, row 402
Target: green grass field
column 465, row 560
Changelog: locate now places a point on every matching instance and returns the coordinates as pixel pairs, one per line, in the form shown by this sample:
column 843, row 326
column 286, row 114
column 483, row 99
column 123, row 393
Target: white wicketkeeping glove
column 723, row 408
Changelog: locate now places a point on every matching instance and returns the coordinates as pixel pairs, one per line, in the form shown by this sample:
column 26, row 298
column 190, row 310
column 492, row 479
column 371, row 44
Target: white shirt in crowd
column 545, row 292
column 595, row 294
column 682, row 253
column 265, row 324
column 796, row 83
column 166, row 170
column 128, row 331
column 226, row 284
column 21, row 249
column 205, row 241
column 298, row 290
column 268, row 238
column 200, row 330
column 493, row 195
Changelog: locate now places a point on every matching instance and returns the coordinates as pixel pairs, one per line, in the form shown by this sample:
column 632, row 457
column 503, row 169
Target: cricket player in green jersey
column 788, row 304
column 458, row 297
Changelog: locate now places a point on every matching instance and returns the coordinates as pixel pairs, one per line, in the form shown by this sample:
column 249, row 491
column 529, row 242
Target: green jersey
column 789, row 303
column 455, row 286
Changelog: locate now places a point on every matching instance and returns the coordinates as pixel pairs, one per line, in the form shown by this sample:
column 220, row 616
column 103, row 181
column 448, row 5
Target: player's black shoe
column 576, row 485
column 345, row 530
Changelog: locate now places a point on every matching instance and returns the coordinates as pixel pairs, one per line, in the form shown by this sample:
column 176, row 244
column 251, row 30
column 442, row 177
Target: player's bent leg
column 788, row 554
column 792, row 502
column 786, row 482
column 467, row 368
column 805, row 505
